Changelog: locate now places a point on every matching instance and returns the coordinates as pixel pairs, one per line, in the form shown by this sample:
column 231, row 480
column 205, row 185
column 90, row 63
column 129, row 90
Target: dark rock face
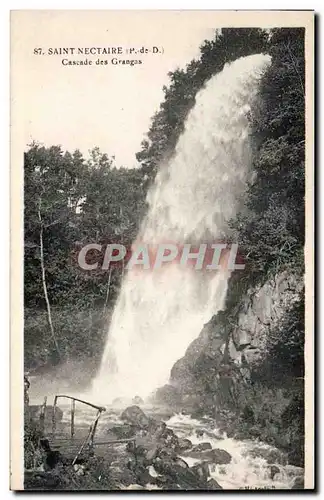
column 183, row 445
column 184, row 477
column 201, row 470
column 203, row 353
column 212, row 484
column 215, row 456
column 121, row 431
column 235, row 352
column 202, row 447
column 273, row 471
column 120, row 475
column 299, row 483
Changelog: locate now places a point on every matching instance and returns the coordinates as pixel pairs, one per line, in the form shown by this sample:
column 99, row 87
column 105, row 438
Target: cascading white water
column 160, row 312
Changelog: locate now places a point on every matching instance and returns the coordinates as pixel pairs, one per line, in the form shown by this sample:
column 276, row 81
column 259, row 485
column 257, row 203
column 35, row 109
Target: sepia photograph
column 162, row 216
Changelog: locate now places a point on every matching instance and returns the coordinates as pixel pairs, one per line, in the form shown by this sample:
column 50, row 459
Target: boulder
column 273, row 471
column 160, row 430
column 182, row 476
column 144, row 477
column 167, row 453
column 165, row 436
column 212, row 484
column 135, row 416
column 121, row 475
column 217, row 456
column 134, row 487
column 152, row 453
column 202, row 447
column 183, row 445
column 214, row 456
column 201, row 470
column 121, row 431
column 298, row 483
column 169, row 438
column 181, row 462
column 296, row 457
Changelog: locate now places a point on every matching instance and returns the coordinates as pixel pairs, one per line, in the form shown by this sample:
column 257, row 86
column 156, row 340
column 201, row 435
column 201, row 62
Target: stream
column 254, row 465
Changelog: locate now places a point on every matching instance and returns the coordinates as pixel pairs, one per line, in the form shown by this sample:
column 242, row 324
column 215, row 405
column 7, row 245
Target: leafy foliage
column 80, row 202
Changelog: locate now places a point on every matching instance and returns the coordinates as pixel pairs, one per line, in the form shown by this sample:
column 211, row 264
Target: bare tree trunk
column 108, row 289
column 49, row 315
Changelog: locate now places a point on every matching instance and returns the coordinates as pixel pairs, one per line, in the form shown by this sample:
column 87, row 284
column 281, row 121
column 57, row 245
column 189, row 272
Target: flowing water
column 251, row 463
column 159, row 313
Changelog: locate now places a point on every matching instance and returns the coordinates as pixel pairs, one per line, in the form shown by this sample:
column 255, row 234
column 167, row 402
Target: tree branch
column 48, row 306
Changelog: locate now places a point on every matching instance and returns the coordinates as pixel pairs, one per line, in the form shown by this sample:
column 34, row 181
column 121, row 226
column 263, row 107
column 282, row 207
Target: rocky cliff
column 239, row 336
column 247, row 361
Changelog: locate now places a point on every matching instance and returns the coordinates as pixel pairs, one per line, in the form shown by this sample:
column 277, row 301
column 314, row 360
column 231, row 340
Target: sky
column 80, row 107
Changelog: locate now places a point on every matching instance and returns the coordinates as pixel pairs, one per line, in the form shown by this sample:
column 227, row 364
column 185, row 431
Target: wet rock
column 121, row 431
column 121, row 475
column 248, row 415
column 37, row 480
column 273, row 471
column 169, row 438
column 202, row 447
column 298, row 483
column 295, row 457
column 212, row 484
column 255, row 432
column 201, row 470
column 144, row 477
column 134, row 487
column 152, row 453
column 183, row 445
column 79, row 469
column 230, row 432
column 166, row 483
column 181, row 462
column 168, row 453
column 183, row 476
column 165, row 436
column 217, row 456
column 136, row 417
column 163, row 467
column 160, row 430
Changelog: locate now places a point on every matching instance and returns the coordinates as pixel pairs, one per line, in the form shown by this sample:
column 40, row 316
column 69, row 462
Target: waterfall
column 159, row 312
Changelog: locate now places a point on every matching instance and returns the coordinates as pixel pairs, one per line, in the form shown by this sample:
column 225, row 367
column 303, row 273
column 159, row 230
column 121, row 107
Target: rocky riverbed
column 170, row 452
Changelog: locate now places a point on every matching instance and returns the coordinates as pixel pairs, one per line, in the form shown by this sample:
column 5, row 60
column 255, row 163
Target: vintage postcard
column 162, row 317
